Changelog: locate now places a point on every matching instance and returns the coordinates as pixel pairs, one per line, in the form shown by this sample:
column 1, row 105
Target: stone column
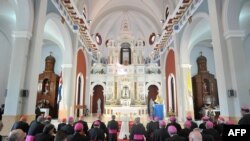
column 238, row 69
column 16, row 80
column 34, row 57
column 222, row 62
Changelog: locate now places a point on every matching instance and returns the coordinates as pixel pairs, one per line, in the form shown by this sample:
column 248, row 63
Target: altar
column 126, row 110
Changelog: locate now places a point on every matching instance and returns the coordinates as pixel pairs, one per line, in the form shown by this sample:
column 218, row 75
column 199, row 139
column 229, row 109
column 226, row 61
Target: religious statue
column 46, row 87
column 125, row 92
column 99, row 105
column 205, row 86
column 158, row 100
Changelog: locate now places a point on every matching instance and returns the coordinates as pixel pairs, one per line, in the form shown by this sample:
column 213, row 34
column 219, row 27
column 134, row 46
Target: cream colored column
column 66, row 107
column 238, row 69
column 16, row 80
column 179, row 80
column 34, row 57
column 187, row 89
column 221, row 59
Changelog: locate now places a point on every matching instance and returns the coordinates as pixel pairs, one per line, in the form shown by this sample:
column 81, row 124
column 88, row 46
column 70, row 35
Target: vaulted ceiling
column 143, row 16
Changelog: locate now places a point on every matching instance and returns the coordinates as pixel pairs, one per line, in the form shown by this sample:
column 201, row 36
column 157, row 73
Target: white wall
column 5, row 57
column 247, row 56
column 208, row 53
column 56, row 52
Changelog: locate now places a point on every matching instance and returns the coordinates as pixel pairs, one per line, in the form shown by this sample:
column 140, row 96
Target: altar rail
column 120, row 110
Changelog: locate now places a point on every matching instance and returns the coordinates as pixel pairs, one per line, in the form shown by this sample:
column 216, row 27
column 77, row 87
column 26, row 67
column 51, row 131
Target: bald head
column 137, row 120
column 16, row 135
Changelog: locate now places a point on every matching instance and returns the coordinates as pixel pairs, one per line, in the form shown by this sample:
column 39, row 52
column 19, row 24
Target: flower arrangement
column 171, row 113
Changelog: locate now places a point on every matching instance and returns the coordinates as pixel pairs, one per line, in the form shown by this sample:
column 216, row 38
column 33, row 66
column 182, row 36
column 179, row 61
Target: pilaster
column 220, row 55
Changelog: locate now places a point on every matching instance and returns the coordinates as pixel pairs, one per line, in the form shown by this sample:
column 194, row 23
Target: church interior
column 123, row 57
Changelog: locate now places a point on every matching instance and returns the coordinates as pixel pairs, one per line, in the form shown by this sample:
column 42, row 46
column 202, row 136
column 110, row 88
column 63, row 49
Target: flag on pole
column 59, row 93
column 189, row 83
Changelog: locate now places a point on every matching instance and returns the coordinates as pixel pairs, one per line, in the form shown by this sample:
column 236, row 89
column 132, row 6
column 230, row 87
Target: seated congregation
column 42, row 129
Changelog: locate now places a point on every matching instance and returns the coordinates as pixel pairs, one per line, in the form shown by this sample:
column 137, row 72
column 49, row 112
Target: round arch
column 153, row 83
column 64, row 42
column 172, row 96
column 230, row 18
column 24, row 14
column 199, row 19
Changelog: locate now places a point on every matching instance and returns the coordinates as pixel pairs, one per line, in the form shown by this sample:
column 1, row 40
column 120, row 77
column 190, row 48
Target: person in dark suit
column 69, row 129
column 1, row 111
column 193, row 124
column 84, row 123
column 102, row 125
column 1, row 127
column 47, row 134
column 173, row 134
column 174, row 123
column 211, row 131
column 60, row 136
column 38, row 111
column 21, row 124
column 151, row 127
column 36, row 127
column 79, row 134
column 113, row 128
column 186, row 130
column 138, row 131
column 245, row 120
column 202, row 126
column 161, row 134
column 60, row 125
column 220, row 124
column 96, row 133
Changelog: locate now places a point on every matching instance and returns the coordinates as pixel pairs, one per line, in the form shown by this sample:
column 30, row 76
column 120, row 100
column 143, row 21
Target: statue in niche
column 46, row 87
column 125, row 92
column 99, row 105
column 151, row 107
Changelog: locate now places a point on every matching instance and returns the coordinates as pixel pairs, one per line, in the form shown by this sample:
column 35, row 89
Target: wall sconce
column 231, row 93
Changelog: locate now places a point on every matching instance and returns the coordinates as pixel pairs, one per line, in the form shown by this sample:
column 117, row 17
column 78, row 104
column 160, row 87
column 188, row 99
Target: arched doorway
column 152, row 94
column 98, row 100
column 79, row 107
column 172, row 95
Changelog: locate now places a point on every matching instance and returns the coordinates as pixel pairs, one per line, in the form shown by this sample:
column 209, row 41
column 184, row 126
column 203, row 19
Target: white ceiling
column 143, row 17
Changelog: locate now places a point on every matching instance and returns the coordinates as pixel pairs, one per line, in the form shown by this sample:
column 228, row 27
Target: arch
column 200, row 20
column 98, row 83
column 24, row 14
column 172, row 96
column 153, row 83
column 97, row 99
column 64, row 42
column 79, row 95
column 81, row 68
column 153, row 91
column 230, row 18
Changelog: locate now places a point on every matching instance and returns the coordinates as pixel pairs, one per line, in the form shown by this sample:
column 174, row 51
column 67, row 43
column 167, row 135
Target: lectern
column 158, row 111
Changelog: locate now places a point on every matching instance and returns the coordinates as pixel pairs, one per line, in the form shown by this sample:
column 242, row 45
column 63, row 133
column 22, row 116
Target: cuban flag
column 59, row 93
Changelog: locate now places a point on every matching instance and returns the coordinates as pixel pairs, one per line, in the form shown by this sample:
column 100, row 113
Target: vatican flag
column 189, row 83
